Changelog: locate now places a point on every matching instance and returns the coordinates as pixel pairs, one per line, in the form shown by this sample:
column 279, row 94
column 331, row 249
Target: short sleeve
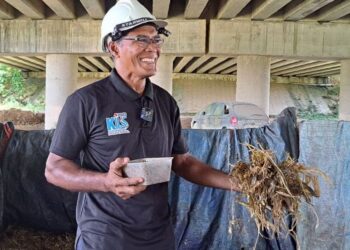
column 72, row 131
column 179, row 146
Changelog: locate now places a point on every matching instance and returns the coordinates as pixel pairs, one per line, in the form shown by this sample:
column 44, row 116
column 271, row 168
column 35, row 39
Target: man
column 119, row 118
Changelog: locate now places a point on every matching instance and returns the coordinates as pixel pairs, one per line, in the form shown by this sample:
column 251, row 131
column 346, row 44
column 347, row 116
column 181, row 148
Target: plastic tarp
column 207, row 218
column 27, row 198
column 326, row 145
column 202, row 216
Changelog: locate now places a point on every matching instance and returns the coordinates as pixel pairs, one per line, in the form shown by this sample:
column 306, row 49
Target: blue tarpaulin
column 204, row 218
column 326, row 145
column 207, row 218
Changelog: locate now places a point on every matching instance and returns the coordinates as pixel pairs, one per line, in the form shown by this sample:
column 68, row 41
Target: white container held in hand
column 152, row 170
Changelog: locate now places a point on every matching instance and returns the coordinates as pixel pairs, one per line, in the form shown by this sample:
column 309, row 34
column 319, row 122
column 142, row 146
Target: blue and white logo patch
column 117, row 124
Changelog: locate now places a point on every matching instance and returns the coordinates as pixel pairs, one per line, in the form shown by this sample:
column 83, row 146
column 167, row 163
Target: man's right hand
column 124, row 187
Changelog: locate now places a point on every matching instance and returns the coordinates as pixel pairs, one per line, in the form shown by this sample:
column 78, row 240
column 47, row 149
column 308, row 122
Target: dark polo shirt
column 102, row 121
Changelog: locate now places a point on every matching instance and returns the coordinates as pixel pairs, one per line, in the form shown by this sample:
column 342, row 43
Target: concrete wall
column 194, row 94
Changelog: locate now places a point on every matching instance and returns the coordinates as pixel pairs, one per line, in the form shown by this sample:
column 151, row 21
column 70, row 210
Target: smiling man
column 124, row 116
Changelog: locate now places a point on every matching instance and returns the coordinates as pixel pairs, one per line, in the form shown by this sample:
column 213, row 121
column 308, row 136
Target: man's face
column 135, row 57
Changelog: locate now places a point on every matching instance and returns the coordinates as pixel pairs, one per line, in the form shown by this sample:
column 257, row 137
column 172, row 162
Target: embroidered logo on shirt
column 117, row 124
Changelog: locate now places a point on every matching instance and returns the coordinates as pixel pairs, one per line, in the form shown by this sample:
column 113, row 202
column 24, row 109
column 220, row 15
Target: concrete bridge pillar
column 164, row 75
column 61, row 79
column 253, row 80
column 344, row 95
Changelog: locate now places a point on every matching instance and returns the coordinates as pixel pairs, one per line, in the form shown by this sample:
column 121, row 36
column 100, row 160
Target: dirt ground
column 23, row 120
column 16, row 238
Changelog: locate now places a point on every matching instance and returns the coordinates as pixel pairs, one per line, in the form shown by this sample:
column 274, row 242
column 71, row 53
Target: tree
column 11, row 84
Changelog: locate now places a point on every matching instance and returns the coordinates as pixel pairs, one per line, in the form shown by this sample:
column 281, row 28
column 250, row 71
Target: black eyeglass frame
column 145, row 41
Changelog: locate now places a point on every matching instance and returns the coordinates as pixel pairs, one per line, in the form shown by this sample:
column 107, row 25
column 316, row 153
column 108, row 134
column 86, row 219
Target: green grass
column 317, row 116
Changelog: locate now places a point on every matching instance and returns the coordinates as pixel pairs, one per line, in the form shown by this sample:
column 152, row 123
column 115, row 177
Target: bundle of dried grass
column 271, row 191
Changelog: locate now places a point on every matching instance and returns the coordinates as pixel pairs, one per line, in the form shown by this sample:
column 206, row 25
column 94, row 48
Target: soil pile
column 20, row 117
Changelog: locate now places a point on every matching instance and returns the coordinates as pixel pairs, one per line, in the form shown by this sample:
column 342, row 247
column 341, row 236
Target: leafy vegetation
column 331, row 97
column 16, row 92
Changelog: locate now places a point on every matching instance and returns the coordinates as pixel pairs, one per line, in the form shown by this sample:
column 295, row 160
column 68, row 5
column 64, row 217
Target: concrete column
column 61, row 78
column 344, row 93
column 164, row 75
column 253, row 80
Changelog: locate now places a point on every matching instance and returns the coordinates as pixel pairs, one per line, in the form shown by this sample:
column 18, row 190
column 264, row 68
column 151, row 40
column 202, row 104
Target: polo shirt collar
column 124, row 89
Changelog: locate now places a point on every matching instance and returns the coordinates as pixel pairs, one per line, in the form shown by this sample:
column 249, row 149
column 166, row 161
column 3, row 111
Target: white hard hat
column 126, row 15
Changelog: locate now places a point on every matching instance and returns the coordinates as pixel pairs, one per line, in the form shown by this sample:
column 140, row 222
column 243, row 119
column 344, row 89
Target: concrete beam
column 292, row 66
column 320, row 72
column 160, row 8
column 325, row 73
column 336, row 12
column 319, row 81
column 182, row 63
column 273, row 61
column 211, row 64
column 300, row 40
column 197, row 63
column 31, row 8
column 304, row 9
column 83, row 36
column 95, row 8
column 222, row 66
column 282, row 63
column 81, row 68
column 268, row 8
column 317, row 69
column 311, row 81
column 24, row 62
column 6, row 11
column 108, row 60
column 230, row 70
column 97, row 63
column 194, row 8
column 16, row 64
column 85, row 63
column 33, row 60
column 62, row 8
column 309, row 65
column 93, row 75
column 43, row 58
column 231, row 8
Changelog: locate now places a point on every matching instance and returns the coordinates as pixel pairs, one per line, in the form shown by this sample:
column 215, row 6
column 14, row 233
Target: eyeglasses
column 145, row 41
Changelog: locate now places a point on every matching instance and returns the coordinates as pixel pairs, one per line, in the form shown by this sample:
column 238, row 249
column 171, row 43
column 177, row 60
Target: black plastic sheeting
column 28, row 199
column 326, row 145
column 202, row 216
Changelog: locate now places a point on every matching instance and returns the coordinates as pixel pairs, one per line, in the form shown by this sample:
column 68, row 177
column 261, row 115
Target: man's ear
column 113, row 49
